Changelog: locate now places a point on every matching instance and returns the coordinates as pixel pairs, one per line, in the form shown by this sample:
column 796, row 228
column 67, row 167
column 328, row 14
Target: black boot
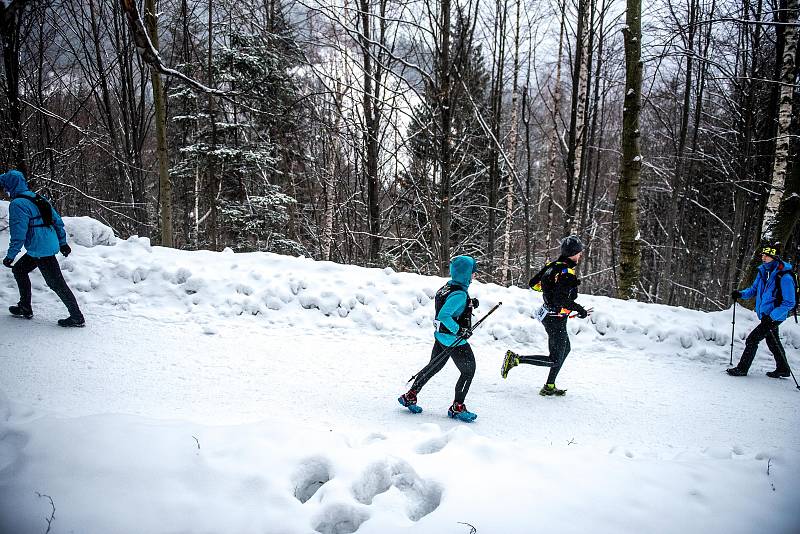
column 21, row 311
column 735, row 371
column 779, row 373
column 72, row 322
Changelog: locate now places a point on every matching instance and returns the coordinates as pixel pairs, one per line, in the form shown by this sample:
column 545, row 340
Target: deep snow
column 222, row 392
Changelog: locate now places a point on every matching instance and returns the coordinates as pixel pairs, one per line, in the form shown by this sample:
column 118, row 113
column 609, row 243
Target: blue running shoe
column 409, row 400
column 459, row 411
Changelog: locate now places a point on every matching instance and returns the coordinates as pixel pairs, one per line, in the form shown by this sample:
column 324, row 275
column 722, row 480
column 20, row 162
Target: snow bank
column 83, row 231
column 135, row 276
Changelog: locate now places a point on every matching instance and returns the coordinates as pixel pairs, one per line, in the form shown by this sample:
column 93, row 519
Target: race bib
column 540, row 313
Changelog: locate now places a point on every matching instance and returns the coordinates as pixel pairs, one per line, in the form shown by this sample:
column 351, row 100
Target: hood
column 461, row 269
column 14, row 183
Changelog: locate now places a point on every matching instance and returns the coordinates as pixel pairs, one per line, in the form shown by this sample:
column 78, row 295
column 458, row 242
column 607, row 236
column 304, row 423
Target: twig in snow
column 198, row 443
column 571, row 441
column 52, row 514
column 769, row 462
column 472, row 530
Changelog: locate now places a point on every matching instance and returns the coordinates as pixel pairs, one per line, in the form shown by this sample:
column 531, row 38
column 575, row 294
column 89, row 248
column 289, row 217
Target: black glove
column 736, row 294
column 582, row 313
column 65, row 250
column 464, row 333
column 767, row 321
column 475, row 303
column 8, row 261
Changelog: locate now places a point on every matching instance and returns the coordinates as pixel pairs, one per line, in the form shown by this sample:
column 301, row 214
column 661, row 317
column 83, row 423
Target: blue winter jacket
column 24, row 221
column 461, row 269
column 763, row 289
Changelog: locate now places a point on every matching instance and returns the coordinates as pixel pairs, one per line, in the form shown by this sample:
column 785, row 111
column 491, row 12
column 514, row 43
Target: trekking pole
column 793, row 378
column 446, row 352
column 733, row 327
column 776, row 340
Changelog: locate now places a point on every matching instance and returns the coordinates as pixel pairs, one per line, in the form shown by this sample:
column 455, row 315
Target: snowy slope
column 222, row 392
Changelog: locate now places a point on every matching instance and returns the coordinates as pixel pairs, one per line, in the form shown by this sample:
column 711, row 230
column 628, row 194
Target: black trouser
column 463, row 358
column 770, row 333
column 558, row 343
column 51, row 272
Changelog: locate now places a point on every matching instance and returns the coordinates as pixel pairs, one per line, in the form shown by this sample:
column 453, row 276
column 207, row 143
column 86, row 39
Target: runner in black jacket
column 559, row 285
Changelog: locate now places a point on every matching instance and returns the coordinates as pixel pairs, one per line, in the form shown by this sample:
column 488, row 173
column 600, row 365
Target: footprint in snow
column 422, row 496
column 311, row 475
column 339, row 518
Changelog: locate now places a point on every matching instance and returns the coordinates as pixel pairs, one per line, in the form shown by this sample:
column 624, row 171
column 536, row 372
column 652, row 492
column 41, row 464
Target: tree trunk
column 772, row 227
column 164, row 182
column 512, row 157
column 10, row 15
column 577, row 115
column 444, row 145
column 555, row 140
column 631, row 166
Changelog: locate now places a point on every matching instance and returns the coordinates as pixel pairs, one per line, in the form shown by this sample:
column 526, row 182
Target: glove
column 582, row 313
column 736, row 294
column 65, row 250
column 7, row 262
column 475, row 303
column 464, row 333
column 767, row 321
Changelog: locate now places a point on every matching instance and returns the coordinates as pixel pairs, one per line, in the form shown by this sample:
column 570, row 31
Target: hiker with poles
column 559, row 286
column 453, row 323
column 774, row 289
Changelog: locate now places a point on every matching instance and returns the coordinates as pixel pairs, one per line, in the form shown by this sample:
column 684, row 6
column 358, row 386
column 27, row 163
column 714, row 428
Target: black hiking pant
column 464, row 359
column 759, row 333
column 558, row 344
column 51, row 272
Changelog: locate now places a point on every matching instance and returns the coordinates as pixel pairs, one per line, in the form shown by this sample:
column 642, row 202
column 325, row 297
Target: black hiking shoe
column 778, row 374
column 21, row 311
column 510, row 361
column 548, row 390
column 735, row 371
column 72, row 322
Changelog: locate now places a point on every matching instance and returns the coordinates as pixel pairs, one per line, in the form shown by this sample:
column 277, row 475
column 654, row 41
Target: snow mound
column 84, row 231
column 284, row 291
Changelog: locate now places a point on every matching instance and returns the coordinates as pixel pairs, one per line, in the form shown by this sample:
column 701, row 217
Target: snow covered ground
column 239, row 393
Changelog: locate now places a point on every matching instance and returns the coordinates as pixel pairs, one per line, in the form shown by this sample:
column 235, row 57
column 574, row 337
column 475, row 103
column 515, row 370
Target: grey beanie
column 571, row 245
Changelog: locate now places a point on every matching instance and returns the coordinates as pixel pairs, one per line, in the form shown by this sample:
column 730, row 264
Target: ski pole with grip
column 446, row 352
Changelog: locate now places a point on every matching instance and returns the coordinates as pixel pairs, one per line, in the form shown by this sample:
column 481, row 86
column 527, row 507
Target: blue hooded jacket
column 763, row 289
column 461, row 269
column 24, row 221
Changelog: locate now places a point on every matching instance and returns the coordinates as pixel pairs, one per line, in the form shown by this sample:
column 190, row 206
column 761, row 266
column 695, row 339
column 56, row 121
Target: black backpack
column 779, row 290
column 45, row 211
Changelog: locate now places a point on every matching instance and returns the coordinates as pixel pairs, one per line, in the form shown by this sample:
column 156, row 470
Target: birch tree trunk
column 577, row 114
column 555, row 140
column 512, row 157
column 631, row 165
column 771, row 222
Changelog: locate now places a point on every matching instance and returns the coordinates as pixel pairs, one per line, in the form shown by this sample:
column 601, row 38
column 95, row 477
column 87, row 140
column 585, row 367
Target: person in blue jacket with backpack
column 36, row 225
column 453, row 327
column 774, row 291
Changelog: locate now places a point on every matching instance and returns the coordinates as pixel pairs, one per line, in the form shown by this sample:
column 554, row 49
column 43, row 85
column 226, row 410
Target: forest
column 400, row 133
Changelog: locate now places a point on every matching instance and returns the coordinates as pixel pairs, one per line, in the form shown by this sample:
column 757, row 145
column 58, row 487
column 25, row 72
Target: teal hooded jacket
column 461, row 269
column 25, row 221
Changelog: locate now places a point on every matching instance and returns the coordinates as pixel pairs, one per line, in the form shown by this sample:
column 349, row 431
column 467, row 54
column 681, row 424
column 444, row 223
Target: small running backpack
column 779, row 290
